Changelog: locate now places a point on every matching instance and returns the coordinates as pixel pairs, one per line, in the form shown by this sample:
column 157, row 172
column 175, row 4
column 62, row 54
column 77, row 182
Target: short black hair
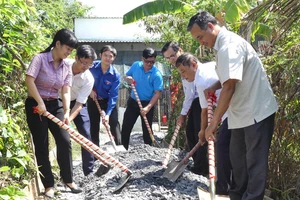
column 109, row 48
column 86, row 51
column 186, row 59
column 174, row 45
column 202, row 18
column 149, row 53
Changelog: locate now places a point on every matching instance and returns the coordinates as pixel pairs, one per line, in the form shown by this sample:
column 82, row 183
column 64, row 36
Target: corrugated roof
column 110, row 29
column 96, row 41
column 100, row 18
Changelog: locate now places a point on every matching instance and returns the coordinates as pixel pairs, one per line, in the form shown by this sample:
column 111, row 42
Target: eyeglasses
column 149, row 61
column 171, row 56
column 85, row 64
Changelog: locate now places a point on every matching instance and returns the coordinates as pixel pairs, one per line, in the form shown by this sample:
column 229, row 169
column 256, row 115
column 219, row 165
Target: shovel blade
column 164, row 144
column 120, row 148
column 103, row 169
column 123, row 182
column 155, row 144
column 112, row 148
column 174, row 170
column 205, row 195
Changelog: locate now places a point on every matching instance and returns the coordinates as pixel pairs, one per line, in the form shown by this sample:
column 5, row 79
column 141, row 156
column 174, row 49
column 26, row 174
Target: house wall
column 128, row 52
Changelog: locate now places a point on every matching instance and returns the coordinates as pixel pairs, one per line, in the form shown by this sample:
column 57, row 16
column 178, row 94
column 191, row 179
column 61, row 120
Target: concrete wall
column 128, row 52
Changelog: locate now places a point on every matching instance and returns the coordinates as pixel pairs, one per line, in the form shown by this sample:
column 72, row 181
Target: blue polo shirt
column 106, row 85
column 146, row 82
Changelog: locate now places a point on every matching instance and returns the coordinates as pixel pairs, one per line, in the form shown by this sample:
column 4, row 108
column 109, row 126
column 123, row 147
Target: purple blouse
column 49, row 80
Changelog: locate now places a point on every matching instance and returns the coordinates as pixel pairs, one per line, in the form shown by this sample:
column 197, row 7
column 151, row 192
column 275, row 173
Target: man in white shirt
column 190, row 107
column 203, row 76
column 82, row 85
column 249, row 100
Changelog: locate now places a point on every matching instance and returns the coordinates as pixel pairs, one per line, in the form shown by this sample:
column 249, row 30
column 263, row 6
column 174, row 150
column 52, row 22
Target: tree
column 23, row 33
column 282, row 61
column 62, row 16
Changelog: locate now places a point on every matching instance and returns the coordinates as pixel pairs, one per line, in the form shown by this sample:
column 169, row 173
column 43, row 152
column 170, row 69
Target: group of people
column 246, row 106
column 69, row 89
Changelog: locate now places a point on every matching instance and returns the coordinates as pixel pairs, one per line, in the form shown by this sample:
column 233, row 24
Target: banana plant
column 157, row 7
column 230, row 13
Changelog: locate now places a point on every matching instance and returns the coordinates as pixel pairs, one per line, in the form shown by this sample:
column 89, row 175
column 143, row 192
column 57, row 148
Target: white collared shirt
column 82, row 85
column 190, row 94
column 253, row 99
column 205, row 77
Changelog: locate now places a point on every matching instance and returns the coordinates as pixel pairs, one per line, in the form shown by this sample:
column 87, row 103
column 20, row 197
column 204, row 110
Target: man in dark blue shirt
column 105, row 91
column 149, row 85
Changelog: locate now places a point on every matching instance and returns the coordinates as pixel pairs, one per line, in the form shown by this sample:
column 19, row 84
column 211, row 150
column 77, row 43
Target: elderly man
column 203, row 76
column 191, row 109
column 247, row 96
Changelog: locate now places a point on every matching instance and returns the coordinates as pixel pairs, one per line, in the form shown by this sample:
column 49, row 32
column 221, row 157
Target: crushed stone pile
column 146, row 181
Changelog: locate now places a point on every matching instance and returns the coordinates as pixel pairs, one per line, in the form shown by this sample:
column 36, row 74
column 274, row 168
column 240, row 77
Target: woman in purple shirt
column 47, row 73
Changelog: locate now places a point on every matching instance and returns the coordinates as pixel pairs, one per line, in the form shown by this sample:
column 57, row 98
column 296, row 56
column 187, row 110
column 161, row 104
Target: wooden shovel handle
column 166, row 160
column 144, row 117
column 87, row 144
column 106, row 125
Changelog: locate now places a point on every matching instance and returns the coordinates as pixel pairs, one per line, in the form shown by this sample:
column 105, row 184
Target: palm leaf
column 156, row 7
column 288, row 10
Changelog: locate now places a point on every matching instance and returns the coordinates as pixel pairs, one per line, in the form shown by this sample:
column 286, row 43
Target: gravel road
column 146, row 181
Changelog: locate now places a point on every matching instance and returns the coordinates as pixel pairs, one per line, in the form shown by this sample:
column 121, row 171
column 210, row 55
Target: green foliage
column 157, row 7
column 19, row 36
column 283, row 67
column 25, row 29
column 11, row 193
column 14, row 159
column 62, row 16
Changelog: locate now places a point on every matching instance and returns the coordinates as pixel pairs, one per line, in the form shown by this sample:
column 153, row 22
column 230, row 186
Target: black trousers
column 131, row 114
column 224, row 168
column 82, row 122
column 95, row 119
column 249, row 149
column 192, row 130
column 39, row 130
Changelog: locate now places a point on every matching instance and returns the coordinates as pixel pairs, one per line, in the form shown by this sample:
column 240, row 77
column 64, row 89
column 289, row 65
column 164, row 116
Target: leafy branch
column 4, row 44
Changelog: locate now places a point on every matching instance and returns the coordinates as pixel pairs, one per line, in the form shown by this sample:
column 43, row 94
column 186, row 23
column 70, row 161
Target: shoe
column 73, row 189
column 49, row 192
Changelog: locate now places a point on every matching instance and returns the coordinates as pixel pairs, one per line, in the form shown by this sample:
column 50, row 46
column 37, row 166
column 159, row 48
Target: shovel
column 166, row 160
column 144, row 117
column 164, row 144
column 176, row 168
column 92, row 148
column 116, row 147
column 203, row 194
